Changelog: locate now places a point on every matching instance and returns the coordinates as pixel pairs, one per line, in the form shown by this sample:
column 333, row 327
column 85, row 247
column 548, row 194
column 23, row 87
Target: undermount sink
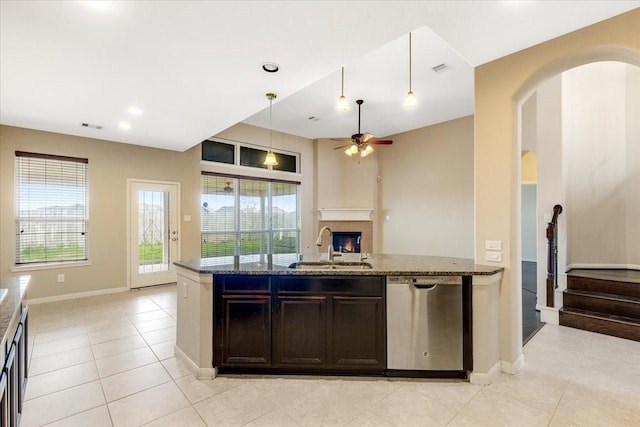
column 329, row 265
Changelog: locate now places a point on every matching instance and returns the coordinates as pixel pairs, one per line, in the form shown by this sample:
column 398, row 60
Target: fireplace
column 347, row 241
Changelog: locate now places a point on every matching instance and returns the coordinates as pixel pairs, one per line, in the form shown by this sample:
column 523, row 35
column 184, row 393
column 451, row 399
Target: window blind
column 51, row 208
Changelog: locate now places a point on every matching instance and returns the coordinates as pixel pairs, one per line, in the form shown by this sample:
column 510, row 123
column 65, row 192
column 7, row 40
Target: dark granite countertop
column 381, row 264
column 11, row 303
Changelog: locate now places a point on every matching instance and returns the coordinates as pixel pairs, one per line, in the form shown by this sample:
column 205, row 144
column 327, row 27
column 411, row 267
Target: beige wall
column 421, row 188
column 599, row 124
column 426, row 191
column 110, row 164
column 501, row 87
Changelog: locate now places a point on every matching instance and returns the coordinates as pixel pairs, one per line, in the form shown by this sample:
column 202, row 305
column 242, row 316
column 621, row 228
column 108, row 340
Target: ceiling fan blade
column 366, row 137
column 343, row 146
column 381, row 141
column 340, row 139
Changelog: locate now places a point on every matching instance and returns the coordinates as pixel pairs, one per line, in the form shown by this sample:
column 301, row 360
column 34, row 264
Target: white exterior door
column 153, row 232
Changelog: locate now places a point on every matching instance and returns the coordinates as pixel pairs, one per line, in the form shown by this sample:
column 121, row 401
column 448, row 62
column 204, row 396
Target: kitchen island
column 255, row 316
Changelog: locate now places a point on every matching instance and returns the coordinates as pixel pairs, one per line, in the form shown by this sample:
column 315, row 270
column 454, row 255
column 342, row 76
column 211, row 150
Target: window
column 248, row 217
column 220, row 152
column 51, row 208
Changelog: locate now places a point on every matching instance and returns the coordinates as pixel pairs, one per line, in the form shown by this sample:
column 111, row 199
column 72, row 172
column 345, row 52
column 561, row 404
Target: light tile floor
column 108, row 361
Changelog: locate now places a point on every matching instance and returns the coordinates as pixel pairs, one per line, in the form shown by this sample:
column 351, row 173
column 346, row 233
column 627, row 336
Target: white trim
column 513, row 367
column 75, row 295
column 198, row 373
column 49, row 266
column 550, row 315
column 482, row 378
column 341, row 214
column 604, row 266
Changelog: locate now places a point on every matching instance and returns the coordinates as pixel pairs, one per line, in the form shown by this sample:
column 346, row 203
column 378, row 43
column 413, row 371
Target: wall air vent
column 440, row 68
column 90, row 126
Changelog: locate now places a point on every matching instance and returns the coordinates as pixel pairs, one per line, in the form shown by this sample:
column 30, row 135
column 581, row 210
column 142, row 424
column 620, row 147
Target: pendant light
column 343, row 104
column 270, row 160
column 410, row 100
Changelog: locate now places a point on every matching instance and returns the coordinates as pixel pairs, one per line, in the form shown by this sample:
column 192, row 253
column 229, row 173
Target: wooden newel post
column 552, row 256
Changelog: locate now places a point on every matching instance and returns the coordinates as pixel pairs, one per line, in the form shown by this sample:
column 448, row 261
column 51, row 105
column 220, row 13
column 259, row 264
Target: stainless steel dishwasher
column 424, row 323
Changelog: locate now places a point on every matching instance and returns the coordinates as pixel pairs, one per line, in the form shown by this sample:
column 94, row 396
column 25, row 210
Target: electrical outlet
column 60, row 278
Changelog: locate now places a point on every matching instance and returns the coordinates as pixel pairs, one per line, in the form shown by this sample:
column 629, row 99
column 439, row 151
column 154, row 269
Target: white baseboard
column 549, row 315
column 199, row 373
column 604, row 266
column 34, row 301
column 482, row 378
column 512, row 367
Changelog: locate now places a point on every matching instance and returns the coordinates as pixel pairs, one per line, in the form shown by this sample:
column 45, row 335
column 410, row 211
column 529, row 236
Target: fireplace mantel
column 345, row 214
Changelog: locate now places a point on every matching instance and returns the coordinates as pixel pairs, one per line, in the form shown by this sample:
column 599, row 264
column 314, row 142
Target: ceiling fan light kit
column 361, row 142
column 270, row 160
column 342, row 104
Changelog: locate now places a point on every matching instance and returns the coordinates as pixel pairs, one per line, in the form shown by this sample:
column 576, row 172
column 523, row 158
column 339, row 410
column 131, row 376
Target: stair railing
column 552, row 255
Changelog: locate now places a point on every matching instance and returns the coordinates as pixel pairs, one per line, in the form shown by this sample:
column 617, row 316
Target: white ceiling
column 194, row 67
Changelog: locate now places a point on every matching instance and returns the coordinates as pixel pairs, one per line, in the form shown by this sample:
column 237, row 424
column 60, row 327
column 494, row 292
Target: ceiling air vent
column 90, row 126
column 440, row 68
column 313, row 118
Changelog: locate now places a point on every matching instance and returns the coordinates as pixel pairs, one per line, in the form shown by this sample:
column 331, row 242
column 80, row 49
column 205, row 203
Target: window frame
column 65, row 163
column 238, row 161
column 238, row 231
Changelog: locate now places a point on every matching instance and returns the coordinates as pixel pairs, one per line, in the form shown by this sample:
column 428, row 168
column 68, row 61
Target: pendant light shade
column 343, row 104
column 410, row 100
column 270, row 160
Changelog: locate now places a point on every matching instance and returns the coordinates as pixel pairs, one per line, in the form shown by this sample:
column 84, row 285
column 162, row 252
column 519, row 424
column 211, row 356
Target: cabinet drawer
column 242, row 284
column 346, row 285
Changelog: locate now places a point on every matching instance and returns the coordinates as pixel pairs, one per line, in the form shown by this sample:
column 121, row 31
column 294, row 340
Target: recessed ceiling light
column 270, row 67
column 135, row 111
column 124, row 125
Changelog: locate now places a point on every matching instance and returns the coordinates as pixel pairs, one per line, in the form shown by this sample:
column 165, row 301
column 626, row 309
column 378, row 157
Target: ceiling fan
column 362, row 142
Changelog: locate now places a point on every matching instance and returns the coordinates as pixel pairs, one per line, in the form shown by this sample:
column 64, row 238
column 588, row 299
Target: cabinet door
column 357, row 339
column 246, row 330
column 301, row 331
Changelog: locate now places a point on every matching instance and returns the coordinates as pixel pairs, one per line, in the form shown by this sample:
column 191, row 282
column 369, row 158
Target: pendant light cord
column 409, row 61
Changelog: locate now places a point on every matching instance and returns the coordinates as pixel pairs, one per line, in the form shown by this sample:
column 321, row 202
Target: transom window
column 51, row 208
column 242, row 154
column 248, row 217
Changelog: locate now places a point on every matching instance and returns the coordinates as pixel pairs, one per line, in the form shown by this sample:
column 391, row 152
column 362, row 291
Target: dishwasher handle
column 425, row 287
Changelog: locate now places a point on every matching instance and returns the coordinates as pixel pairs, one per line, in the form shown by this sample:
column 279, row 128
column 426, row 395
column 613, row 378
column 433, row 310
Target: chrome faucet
column 330, row 252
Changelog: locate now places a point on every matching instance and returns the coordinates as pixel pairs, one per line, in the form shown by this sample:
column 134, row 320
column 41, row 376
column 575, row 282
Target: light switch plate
column 493, row 245
column 494, row 256
column 187, row 218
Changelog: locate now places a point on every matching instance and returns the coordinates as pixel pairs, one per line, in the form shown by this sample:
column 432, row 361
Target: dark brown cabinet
column 301, row 331
column 299, row 323
column 13, row 377
column 242, row 326
column 358, row 332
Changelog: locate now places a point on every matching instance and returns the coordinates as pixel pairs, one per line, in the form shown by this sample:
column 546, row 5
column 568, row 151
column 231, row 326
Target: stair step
column 602, row 303
column 615, row 282
column 608, row 324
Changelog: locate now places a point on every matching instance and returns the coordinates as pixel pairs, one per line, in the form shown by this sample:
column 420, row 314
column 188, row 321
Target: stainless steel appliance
column 424, row 323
